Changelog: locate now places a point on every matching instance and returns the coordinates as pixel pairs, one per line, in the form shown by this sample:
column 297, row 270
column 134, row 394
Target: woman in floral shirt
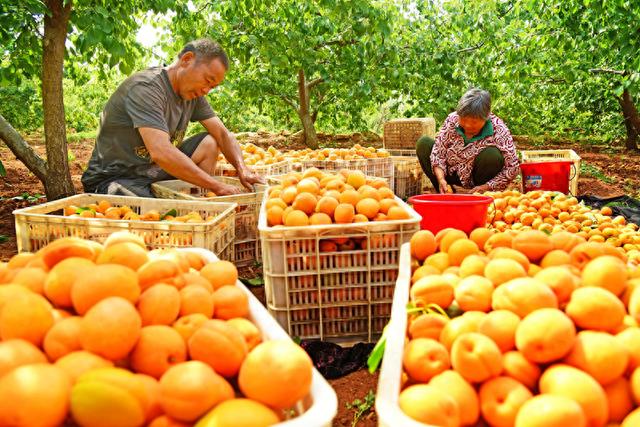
column 473, row 151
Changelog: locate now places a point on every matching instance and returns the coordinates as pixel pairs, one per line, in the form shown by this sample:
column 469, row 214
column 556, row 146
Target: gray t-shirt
column 145, row 99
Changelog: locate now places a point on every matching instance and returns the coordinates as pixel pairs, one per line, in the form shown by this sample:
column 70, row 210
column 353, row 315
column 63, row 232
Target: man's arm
column 229, row 146
column 178, row 164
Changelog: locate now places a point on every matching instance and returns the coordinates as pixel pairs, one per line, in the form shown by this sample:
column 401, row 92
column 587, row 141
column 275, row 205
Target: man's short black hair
column 206, row 50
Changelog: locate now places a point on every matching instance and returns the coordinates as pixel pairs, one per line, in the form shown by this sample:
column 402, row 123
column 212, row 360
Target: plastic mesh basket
column 278, row 168
column 246, row 213
column 320, row 406
column 36, row 226
column 343, row 296
column 409, row 177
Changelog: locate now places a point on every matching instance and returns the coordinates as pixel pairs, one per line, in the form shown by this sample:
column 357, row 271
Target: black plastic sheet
column 334, row 361
column 626, row 206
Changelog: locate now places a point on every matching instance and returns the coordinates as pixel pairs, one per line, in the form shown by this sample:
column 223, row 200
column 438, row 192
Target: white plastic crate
column 530, row 156
column 246, row 226
column 278, row 168
column 321, row 405
column 389, row 382
column 37, row 226
column 402, row 153
column 343, row 296
column 379, row 167
column 409, row 177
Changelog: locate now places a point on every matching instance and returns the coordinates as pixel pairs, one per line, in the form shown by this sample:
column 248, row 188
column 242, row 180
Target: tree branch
column 315, row 82
column 23, row 151
column 472, row 48
column 610, row 71
column 340, row 43
column 285, row 98
column 547, row 79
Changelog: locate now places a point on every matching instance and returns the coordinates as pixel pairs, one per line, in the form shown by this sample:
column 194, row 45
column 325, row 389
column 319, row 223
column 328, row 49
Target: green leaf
column 378, row 351
column 3, row 171
column 4, row 238
column 256, row 281
column 171, row 212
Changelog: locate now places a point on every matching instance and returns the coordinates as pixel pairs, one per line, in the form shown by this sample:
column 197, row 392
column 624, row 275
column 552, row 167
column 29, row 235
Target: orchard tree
column 37, row 37
column 310, row 56
column 597, row 44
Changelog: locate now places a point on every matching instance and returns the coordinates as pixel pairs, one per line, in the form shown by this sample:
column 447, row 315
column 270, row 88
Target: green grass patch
column 593, row 171
column 81, row 136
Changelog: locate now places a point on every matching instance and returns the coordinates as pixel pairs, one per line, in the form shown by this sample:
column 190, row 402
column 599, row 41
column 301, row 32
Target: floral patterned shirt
column 452, row 155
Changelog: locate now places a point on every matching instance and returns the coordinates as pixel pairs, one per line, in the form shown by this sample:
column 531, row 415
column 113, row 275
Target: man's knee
column 207, row 148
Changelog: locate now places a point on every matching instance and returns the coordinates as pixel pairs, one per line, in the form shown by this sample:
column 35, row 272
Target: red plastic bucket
column 549, row 176
column 465, row 212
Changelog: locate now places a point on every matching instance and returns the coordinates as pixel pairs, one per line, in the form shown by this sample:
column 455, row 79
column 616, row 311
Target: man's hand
column 222, row 189
column 248, row 177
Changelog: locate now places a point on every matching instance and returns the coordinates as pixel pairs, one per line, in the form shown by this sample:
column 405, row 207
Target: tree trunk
column 58, row 182
column 22, row 150
column 631, row 120
column 304, row 112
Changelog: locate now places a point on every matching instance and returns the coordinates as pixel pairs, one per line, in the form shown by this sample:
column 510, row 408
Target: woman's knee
column 424, row 144
column 490, row 157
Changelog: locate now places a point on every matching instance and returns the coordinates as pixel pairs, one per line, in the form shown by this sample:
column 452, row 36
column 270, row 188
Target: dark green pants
column 487, row 164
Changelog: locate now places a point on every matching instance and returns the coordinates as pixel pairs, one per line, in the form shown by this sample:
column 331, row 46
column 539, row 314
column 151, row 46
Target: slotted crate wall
column 380, row 167
column 247, row 249
column 278, row 168
column 36, row 226
column 341, row 296
column 409, row 178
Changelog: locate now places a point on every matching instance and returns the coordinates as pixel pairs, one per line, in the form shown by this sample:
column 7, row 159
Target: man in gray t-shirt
column 142, row 127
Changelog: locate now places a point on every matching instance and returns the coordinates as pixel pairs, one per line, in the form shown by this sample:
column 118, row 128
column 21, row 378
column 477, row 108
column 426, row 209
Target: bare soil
column 617, row 166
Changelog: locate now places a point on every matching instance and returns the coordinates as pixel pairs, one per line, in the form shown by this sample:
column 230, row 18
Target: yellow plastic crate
column 402, row 134
column 38, row 225
column 531, row 156
column 343, row 296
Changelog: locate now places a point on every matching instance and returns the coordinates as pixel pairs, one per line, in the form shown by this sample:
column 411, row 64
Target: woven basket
column 402, row 134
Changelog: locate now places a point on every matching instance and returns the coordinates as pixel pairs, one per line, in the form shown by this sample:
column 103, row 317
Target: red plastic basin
column 465, row 212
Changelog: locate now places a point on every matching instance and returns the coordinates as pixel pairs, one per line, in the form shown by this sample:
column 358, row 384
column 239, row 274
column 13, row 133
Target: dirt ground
column 613, row 165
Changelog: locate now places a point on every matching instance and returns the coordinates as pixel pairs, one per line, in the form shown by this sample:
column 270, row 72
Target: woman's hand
column 477, row 189
column 442, row 182
column 480, row 188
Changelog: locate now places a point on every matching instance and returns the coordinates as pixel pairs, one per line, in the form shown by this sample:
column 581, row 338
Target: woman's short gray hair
column 475, row 103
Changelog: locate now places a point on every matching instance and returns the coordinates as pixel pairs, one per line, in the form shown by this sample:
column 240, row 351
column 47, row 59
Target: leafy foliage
column 376, row 60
